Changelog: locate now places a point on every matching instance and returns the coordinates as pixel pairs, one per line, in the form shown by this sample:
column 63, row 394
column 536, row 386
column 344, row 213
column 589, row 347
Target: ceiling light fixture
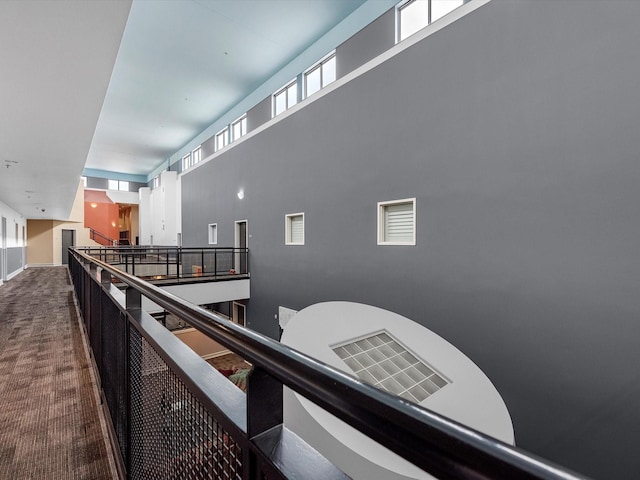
column 241, row 194
column 94, row 205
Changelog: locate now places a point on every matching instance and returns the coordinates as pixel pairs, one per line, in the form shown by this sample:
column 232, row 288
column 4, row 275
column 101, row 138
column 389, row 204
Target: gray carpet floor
column 49, row 422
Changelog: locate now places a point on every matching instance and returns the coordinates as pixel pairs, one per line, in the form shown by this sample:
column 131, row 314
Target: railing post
column 105, row 279
column 215, row 262
column 133, row 298
column 202, row 260
column 264, row 411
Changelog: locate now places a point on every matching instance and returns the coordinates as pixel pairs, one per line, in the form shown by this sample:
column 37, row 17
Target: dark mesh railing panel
column 95, row 332
column 114, row 369
column 172, row 435
column 224, row 261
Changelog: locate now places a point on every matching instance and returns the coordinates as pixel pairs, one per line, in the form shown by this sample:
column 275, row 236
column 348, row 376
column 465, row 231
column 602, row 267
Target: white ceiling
column 181, row 64
column 56, row 58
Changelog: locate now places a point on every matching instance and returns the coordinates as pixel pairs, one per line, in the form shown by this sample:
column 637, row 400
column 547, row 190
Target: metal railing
column 174, row 263
column 101, row 238
column 173, row 416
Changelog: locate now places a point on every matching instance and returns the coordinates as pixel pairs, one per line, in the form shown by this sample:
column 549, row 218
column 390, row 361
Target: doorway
column 239, row 313
column 3, row 250
column 68, row 240
column 241, row 242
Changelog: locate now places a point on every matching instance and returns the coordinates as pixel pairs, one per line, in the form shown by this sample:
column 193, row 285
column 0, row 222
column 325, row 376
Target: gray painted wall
column 368, row 43
column 516, row 130
column 259, row 114
column 14, row 259
column 208, row 147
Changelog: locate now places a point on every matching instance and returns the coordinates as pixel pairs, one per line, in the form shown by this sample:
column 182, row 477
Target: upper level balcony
column 172, row 416
column 202, row 275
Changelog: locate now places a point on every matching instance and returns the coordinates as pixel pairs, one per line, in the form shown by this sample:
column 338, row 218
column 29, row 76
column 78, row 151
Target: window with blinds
column 294, row 229
column 397, row 222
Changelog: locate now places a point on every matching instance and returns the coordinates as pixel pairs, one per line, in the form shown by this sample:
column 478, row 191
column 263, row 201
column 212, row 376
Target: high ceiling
column 120, row 86
column 56, row 59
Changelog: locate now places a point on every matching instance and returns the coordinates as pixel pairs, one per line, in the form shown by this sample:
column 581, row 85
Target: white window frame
column 196, row 155
column 213, row 233
column 84, row 181
column 284, row 90
column 319, row 65
column 381, row 222
column 186, row 161
column 288, row 228
column 429, row 20
column 155, row 183
column 401, row 6
column 224, row 135
column 120, row 185
column 242, row 121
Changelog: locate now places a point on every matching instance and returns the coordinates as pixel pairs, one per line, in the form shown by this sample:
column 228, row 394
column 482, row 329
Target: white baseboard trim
column 11, row 275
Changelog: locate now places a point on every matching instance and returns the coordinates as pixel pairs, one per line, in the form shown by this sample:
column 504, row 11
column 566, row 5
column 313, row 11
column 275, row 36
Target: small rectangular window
column 285, row 98
column 414, row 15
column 196, row 155
column 186, row 162
column 213, row 234
column 156, row 181
column 397, row 222
column 239, row 128
column 320, row 75
column 222, row 138
column 118, row 185
column 294, row 229
column 439, row 8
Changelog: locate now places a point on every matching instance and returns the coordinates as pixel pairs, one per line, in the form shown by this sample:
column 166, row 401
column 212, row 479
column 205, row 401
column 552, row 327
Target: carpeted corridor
column 49, row 423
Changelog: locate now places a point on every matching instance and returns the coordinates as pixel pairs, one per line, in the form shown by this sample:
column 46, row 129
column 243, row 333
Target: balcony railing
column 173, row 416
column 101, row 238
column 174, row 263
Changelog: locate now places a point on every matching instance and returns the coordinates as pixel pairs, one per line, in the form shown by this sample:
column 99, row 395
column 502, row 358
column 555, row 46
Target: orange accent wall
column 103, row 218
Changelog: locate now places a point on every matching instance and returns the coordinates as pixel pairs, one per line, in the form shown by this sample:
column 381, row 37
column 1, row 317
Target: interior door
column 241, row 242
column 68, row 240
column 239, row 314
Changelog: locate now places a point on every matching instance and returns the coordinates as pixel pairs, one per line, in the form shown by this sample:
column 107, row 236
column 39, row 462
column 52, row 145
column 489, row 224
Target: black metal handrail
column 436, row 444
column 96, row 236
column 174, row 263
